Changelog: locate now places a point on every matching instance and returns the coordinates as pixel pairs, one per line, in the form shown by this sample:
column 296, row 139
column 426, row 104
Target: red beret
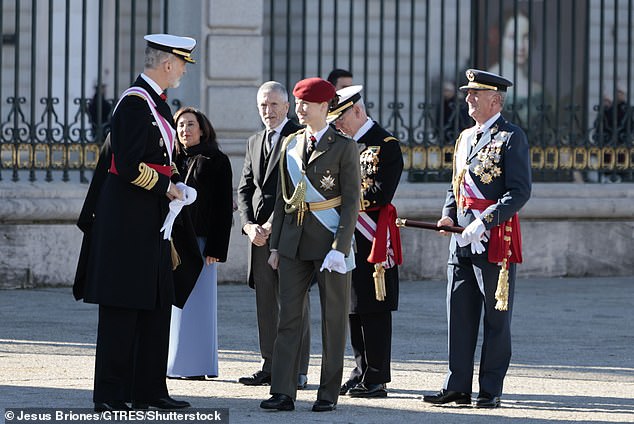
column 315, row 90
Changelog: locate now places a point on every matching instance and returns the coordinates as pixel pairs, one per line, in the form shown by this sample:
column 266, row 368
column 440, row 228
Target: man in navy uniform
column 128, row 269
column 256, row 198
column 491, row 182
column 316, row 209
column 374, row 292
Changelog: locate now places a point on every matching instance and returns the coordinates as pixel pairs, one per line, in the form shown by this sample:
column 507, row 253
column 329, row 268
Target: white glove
column 474, row 231
column 334, row 261
column 189, row 196
column 189, row 193
column 477, row 247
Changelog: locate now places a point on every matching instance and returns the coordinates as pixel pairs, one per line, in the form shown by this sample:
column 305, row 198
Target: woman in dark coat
column 193, row 350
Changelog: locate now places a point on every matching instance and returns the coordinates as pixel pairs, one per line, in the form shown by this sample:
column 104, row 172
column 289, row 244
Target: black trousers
column 131, row 359
column 371, row 340
column 470, row 292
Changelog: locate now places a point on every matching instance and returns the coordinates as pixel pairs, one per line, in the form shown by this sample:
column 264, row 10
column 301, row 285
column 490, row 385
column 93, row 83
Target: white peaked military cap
column 346, row 98
column 179, row 46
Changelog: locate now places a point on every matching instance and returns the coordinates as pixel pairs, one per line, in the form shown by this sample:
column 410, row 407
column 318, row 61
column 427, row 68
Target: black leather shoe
column 302, row 381
column 260, row 378
column 487, row 401
column 162, row 403
column 345, row 387
column 367, row 390
column 446, row 396
column 112, row 405
column 323, row 406
column 278, row 401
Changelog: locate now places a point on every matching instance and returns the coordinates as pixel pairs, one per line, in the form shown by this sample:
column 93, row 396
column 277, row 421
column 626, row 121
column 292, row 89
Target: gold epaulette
column 147, row 177
column 390, row 138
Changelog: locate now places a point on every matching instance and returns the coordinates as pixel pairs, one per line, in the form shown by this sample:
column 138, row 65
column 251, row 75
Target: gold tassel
column 176, row 260
column 379, row 282
column 502, row 290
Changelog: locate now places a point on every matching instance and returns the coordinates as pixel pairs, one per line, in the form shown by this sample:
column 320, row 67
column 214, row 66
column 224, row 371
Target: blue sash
column 329, row 218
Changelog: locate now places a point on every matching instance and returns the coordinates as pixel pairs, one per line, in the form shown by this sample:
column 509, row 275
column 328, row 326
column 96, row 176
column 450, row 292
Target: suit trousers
column 268, row 306
column 131, row 358
column 472, row 285
column 371, row 340
column 334, row 294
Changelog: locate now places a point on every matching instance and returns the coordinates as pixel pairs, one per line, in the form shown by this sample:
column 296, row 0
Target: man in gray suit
column 492, row 181
column 256, row 198
column 316, row 209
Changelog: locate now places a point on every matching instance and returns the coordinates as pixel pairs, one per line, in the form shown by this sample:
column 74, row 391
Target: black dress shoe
column 260, row 378
column 112, row 405
column 446, row 396
column 278, row 401
column 323, row 406
column 345, row 387
column 368, row 390
column 162, row 403
column 487, row 401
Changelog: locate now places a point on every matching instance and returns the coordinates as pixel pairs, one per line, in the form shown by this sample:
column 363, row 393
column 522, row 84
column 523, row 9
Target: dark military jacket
column 128, row 263
column 499, row 169
column 381, row 167
column 333, row 169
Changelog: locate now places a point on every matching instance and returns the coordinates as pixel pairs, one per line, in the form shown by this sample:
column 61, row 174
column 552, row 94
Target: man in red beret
column 314, row 218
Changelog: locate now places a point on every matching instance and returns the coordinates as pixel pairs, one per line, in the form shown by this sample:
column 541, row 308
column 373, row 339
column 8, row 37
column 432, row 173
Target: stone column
column 224, row 83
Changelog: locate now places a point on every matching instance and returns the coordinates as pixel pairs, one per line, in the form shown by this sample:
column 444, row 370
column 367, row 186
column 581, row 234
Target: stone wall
column 568, row 230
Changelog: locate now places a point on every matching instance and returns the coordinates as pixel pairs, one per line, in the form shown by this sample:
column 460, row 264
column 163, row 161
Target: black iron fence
column 62, row 63
column 60, row 70
column 571, row 61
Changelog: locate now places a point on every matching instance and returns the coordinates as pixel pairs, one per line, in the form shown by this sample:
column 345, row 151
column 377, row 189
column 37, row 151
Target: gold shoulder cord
column 296, row 201
column 457, row 180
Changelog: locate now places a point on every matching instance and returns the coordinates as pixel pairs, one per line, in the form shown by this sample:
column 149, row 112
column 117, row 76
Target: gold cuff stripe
column 147, row 177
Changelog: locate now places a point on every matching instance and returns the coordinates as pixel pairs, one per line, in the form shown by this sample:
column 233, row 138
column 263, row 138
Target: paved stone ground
column 573, row 360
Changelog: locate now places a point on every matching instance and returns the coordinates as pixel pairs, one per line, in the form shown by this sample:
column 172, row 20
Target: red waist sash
column 498, row 247
column 161, row 169
column 387, row 220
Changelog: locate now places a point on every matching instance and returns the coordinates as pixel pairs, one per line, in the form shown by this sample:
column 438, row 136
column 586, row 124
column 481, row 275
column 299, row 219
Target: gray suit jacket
column 258, row 186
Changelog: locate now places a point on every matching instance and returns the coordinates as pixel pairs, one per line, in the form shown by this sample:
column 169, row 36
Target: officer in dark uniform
column 374, row 292
column 492, row 181
column 127, row 268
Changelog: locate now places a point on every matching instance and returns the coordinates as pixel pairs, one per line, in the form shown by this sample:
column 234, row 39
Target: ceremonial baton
column 402, row 222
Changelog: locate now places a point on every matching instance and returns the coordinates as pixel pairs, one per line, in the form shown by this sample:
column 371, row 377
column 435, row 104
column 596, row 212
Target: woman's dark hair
column 207, row 132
